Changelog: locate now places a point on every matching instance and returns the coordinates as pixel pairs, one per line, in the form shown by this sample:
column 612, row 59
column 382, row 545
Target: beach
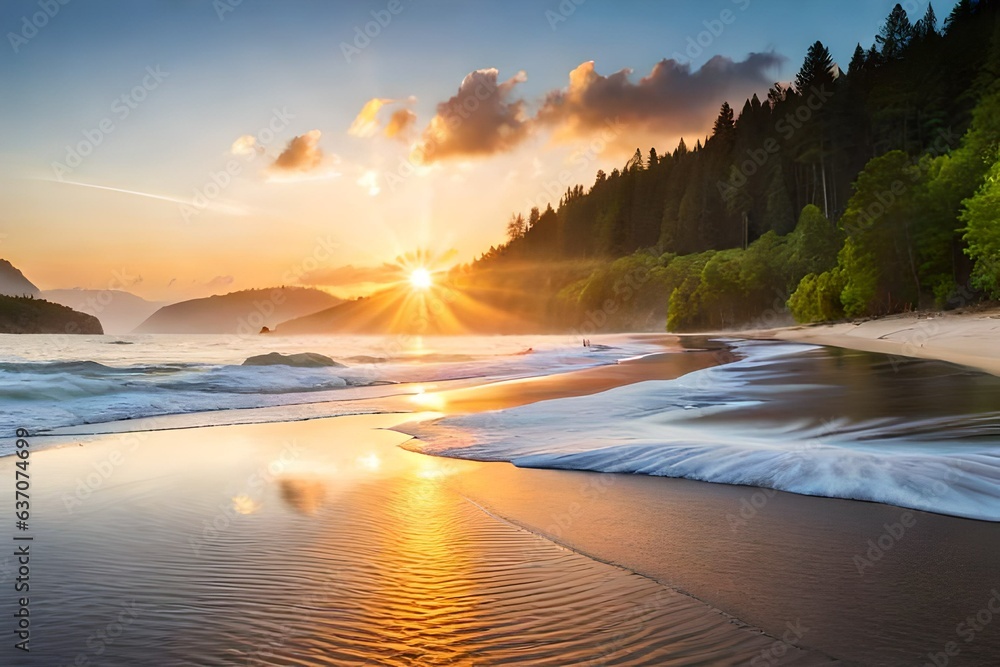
column 965, row 337
column 321, row 542
column 291, row 536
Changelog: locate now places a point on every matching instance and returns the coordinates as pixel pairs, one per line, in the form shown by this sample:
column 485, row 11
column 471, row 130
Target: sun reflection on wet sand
column 323, row 543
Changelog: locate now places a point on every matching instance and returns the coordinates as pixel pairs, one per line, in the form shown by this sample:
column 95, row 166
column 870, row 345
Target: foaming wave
column 922, row 435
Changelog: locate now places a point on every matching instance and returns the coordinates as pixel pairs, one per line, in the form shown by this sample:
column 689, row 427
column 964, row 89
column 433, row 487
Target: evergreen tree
column 896, row 34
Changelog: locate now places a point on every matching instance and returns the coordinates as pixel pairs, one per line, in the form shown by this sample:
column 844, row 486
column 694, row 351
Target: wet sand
column 323, row 543
column 777, row 559
column 965, row 338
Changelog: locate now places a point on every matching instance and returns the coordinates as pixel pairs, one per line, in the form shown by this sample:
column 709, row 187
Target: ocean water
column 799, row 418
column 50, row 382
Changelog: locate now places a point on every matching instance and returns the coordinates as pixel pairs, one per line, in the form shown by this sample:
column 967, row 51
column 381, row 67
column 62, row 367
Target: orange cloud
column 479, row 120
column 400, row 124
column 366, row 122
column 303, row 160
column 302, row 154
column 672, row 99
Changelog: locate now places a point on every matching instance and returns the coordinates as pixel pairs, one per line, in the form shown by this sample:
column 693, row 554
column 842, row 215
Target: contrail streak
column 218, row 206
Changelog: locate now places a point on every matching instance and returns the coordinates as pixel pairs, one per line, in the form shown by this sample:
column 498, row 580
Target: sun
column 420, row 279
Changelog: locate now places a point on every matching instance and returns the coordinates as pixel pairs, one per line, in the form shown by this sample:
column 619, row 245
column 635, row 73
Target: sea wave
column 47, row 384
column 922, row 435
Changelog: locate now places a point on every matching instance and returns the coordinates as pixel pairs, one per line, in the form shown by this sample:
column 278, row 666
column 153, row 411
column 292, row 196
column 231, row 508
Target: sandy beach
column 966, row 338
column 322, row 542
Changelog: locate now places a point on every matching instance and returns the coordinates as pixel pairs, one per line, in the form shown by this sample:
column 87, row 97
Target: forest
column 848, row 193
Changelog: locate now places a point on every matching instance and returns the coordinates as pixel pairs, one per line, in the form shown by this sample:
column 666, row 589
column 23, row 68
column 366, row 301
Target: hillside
column 26, row 315
column 860, row 190
column 13, row 282
column 455, row 304
column 242, row 313
column 119, row 312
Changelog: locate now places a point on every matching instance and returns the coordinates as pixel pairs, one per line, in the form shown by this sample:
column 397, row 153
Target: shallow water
column 321, row 543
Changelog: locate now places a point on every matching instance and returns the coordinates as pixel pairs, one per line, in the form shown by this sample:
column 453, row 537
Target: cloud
column 302, row 154
column 671, row 99
column 366, row 122
column 303, row 160
column 479, row 120
column 400, row 124
column 245, row 145
column 353, row 275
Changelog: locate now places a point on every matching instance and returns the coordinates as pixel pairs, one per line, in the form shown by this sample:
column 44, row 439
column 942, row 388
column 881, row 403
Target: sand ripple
column 368, row 557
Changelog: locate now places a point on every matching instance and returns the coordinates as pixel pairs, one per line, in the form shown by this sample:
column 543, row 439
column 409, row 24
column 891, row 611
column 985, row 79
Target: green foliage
column 814, row 243
column 982, row 232
column 878, row 260
column 818, row 297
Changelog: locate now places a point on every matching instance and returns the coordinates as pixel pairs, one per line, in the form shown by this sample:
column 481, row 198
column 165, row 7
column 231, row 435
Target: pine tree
column 816, row 71
column 816, row 74
column 857, row 62
column 635, row 163
column 896, row 34
column 927, row 26
column 723, row 132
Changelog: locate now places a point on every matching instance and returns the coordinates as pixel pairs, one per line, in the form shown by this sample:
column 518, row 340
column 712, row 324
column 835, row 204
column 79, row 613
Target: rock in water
column 265, row 330
column 301, row 360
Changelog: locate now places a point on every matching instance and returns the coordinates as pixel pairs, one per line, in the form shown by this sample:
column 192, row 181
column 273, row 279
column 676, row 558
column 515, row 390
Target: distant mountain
column 244, row 312
column 401, row 310
column 13, row 282
column 119, row 312
column 27, row 315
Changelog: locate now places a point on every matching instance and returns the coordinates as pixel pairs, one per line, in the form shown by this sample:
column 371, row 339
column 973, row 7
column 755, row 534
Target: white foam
column 658, row 428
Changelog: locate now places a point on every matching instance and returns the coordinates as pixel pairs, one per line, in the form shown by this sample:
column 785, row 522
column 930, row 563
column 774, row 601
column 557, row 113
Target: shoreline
column 967, row 338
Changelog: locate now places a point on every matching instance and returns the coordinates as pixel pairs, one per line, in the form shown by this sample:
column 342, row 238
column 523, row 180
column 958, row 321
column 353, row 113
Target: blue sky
column 225, row 76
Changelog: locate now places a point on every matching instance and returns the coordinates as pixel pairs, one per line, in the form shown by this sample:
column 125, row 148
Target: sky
column 181, row 148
